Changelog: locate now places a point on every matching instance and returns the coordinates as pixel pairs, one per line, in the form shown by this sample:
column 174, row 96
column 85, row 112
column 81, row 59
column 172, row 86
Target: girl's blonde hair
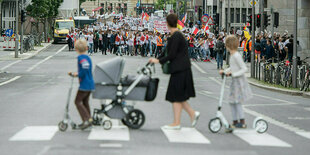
column 232, row 42
column 81, row 45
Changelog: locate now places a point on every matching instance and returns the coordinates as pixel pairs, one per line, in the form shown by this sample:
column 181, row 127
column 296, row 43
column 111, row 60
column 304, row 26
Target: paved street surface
column 33, row 96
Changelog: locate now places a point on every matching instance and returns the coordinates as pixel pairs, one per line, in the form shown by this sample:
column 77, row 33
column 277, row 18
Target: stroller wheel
column 135, row 119
column 107, row 125
column 62, row 126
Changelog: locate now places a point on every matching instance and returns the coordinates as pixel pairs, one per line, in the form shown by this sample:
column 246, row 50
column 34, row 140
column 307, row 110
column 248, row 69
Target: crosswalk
column 122, row 133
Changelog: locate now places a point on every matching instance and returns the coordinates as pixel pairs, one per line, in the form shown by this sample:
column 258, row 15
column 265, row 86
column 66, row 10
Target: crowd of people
column 202, row 46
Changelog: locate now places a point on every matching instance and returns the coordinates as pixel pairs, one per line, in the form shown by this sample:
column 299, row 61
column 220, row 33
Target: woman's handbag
column 166, row 66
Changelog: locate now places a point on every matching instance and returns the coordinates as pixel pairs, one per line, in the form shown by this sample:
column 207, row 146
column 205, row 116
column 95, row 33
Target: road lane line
column 9, row 81
column 47, row 58
column 119, row 133
column 111, row 145
column 35, row 133
column 256, row 139
column 198, row 68
column 9, row 65
column 304, row 134
column 185, row 135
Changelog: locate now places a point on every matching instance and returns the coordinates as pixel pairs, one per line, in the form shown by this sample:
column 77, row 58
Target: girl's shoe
column 168, row 127
column 194, row 123
column 240, row 125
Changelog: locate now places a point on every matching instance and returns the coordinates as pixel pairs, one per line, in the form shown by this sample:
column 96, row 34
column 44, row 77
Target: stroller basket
column 108, row 79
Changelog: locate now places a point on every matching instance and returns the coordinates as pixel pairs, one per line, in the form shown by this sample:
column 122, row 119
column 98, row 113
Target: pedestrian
column 269, row 51
column 239, row 89
column 160, row 45
column 90, row 40
column 86, row 83
column 257, row 48
column 220, row 47
column 181, row 85
column 96, row 41
column 289, row 50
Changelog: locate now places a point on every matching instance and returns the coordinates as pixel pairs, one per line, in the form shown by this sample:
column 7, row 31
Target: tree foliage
column 41, row 9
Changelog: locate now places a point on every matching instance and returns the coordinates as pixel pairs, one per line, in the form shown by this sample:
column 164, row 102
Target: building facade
column 128, row 7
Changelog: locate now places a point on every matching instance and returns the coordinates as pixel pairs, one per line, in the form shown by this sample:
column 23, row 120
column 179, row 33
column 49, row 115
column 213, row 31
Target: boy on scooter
column 86, row 83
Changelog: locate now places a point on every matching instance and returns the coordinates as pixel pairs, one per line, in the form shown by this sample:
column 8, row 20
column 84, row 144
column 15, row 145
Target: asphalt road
column 33, row 101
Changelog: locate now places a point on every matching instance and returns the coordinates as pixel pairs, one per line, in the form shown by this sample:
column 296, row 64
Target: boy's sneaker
column 240, row 125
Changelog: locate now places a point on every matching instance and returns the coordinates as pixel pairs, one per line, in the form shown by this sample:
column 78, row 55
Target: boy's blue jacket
column 85, row 73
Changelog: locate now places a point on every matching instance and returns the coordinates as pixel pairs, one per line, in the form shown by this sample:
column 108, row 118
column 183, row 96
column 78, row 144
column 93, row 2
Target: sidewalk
column 267, row 86
column 6, row 55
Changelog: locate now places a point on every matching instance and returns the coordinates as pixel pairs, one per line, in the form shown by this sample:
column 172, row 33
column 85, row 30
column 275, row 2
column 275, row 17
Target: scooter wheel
column 261, row 126
column 215, row 125
column 107, row 125
column 135, row 119
column 62, row 126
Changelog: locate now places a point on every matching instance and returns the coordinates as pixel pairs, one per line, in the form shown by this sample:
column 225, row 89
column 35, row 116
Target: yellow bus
column 61, row 29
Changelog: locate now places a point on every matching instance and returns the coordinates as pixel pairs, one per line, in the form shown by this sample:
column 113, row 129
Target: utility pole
column 229, row 15
column 205, row 9
column 235, row 15
column 261, row 7
column 253, row 40
column 16, row 29
column 295, row 45
column 240, row 14
column 22, row 31
column 272, row 24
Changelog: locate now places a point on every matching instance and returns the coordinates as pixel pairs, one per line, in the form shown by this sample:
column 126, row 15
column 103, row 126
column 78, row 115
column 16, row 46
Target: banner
column 161, row 25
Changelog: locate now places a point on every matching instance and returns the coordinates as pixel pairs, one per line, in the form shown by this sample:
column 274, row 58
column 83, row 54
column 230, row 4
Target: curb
column 306, row 95
column 284, row 91
column 28, row 57
column 37, row 52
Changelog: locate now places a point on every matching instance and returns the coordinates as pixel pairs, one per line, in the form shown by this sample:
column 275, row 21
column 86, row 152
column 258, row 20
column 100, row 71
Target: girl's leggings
column 236, row 111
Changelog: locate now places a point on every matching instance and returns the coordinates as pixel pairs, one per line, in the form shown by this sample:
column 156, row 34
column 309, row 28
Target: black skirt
column 181, row 86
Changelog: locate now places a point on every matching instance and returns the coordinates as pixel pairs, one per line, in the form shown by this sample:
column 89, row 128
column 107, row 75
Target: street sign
column 237, row 25
column 9, row 32
column 8, row 19
column 251, row 2
column 205, row 18
column 138, row 4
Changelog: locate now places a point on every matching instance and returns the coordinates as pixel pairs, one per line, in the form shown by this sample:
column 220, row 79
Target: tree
column 41, row 10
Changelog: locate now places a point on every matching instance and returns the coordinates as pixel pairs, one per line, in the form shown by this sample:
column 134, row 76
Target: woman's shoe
column 194, row 123
column 168, row 127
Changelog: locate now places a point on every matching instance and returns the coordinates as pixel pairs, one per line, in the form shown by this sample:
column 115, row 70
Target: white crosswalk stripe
column 185, row 135
column 304, row 134
column 256, row 139
column 119, row 133
column 35, row 133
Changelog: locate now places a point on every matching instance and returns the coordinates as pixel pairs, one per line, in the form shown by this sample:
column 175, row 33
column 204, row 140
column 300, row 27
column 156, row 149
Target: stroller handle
column 147, row 70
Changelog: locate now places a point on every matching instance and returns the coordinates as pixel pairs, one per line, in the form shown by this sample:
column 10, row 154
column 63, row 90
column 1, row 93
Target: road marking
column 271, row 104
column 298, row 118
column 304, row 134
column 120, row 133
column 256, row 139
column 273, row 121
column 35, row 133
column 185, row 135
column 111, row 145
column 9, row 81
column 9, row 65
column 308, row 109
column 47, row 58
column 198, row 68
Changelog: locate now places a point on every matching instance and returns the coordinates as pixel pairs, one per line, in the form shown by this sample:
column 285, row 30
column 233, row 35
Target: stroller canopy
column 110, row 71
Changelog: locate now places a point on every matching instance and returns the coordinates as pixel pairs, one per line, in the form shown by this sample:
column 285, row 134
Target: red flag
column 184, row 18
column 206, row 28
column 180, row 25
column 195, row 31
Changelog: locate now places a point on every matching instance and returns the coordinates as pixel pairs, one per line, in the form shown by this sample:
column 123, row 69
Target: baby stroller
column 110, row 85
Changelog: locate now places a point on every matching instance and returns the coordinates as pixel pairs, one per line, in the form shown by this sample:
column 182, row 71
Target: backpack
column 220, row 47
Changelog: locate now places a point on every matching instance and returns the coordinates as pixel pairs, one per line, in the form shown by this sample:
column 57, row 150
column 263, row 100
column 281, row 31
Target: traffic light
column 258, row 18
column 250, row 18
column 276, row 19
column 217, row 19
column 267, row 19
column 23, row 16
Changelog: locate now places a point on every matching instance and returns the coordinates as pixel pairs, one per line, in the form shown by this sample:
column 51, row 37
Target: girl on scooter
column 239, row 89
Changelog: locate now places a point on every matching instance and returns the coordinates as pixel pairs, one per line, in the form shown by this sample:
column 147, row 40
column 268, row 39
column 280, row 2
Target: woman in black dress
column 181, row 85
